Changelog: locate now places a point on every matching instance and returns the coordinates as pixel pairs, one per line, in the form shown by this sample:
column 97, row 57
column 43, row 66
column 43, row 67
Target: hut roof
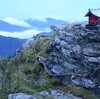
column 93, row 12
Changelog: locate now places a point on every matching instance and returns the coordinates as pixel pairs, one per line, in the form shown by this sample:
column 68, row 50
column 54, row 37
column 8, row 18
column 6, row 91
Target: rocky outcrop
column 20, row 96
column 58, row 94
column 24, row 47
column 55, row 94
column 75, row 51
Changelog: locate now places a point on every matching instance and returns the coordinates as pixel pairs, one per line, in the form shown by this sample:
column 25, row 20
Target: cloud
column 22, row 35
column 16, row 22
column 39, row 18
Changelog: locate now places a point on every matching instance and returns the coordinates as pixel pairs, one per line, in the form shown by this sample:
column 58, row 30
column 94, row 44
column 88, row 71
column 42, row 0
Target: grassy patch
column 79, row 91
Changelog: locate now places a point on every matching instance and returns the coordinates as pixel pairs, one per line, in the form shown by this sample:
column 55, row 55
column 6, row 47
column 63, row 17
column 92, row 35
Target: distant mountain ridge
column 34, row 24
column 4, row 26
column 9, row 45
column 45, row 24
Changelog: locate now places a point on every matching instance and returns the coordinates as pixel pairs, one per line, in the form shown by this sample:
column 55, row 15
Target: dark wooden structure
column 93, row 20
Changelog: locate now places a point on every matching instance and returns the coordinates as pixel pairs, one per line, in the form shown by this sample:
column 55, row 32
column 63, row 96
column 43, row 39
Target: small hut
column 93, row 18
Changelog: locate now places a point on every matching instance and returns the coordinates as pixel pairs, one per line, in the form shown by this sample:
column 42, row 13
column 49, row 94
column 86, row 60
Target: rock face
column 20, row 96
column 75, row 50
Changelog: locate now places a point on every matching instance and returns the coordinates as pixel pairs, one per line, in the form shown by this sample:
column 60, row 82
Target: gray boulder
column 20, row 96
column 44, row 93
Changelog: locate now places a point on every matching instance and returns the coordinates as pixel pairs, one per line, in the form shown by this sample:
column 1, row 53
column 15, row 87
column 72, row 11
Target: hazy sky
column 62, row 9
